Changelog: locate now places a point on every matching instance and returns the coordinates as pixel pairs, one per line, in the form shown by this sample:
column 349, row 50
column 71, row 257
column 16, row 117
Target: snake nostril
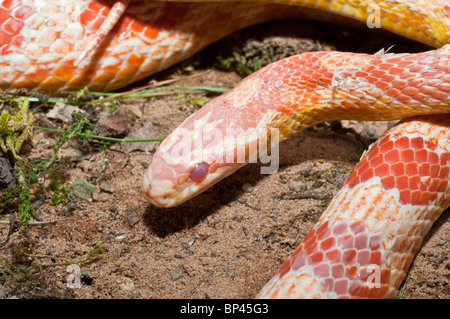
column 199, row 172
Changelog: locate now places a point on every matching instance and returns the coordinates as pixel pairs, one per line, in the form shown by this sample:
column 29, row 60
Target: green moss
column 60, row 191
column 29, row 175
column 15, row 128
column 18, row 273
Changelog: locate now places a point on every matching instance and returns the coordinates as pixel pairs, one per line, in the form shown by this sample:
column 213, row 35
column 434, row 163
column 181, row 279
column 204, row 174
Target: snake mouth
column 163, row 193
column 157, row 195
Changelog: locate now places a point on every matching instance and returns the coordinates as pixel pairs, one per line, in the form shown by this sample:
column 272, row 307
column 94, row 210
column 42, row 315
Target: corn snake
column 62, row 57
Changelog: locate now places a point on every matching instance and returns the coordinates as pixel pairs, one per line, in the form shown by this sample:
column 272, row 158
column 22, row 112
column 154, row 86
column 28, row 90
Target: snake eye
column 199, row 172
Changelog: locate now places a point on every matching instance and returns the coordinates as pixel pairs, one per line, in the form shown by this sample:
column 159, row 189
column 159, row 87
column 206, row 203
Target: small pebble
column 6, row 172
column 247, row 188
column 120, row 236
column 177, row 272
column 188, row 244
column 106, row 187
column 371, row 132
column 63, row 112
column 95, row 195
column 132, row 217
column 72, row 206
column 127, row 285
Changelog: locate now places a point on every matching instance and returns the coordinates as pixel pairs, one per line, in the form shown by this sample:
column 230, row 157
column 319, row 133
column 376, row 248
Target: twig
column 104, row 138
column 241, row 201
column 154, row 85
column 89, row 257
column 7, row 222
column 289, row 196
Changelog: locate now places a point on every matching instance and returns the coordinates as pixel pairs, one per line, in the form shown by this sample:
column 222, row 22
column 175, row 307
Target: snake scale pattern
column 364, row 243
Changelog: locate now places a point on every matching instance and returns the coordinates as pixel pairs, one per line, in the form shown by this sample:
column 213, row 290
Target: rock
column 72, row 153
column 177, row 272
column 369, row 129
column 115, row 124
column 145, row 132
column 106, row 187
column 127, row 285
column 187, row 245
column 120, row 236
column 6, row 172
column 95, row 195
column 63, row 112
column 132, row 217
column 247, row 188
column 72, row 206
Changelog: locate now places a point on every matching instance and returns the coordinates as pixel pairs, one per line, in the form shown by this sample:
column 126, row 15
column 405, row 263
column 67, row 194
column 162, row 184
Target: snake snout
column 159, row 186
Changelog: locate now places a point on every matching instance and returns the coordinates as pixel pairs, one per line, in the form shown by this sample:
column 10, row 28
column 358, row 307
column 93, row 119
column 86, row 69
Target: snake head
column 167, row 184
column 190, row 159
column 209, row 145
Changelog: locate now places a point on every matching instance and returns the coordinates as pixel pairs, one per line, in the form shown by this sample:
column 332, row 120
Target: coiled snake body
column 365, row 241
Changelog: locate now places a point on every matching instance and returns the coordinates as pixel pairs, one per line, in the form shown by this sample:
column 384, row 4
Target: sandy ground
column 227, row 242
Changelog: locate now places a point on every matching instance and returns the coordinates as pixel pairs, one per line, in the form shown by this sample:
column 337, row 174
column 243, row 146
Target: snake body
column 59, row 46
column 376, row 223
column 364, row 243
column 290, row 95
